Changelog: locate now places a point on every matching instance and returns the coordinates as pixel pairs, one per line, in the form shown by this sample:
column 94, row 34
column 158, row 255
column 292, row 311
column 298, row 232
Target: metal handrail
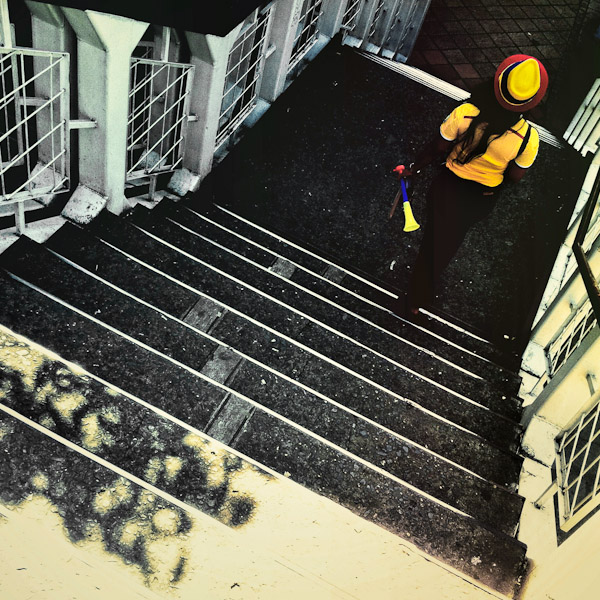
column 585, row 269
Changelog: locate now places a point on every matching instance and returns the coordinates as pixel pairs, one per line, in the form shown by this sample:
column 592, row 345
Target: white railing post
column 5, row 28
column 209, row 57
column 333, row 13
column 104, row 47
column 283, row 32
column 50, row 31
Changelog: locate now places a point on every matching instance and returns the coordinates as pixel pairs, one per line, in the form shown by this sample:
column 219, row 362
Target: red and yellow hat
column 520, row 82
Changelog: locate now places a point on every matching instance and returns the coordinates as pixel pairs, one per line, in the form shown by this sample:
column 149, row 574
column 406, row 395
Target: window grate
column 244, row 71
column 395, row 21
column 307, row 32
column 350, row 18
column 578, row 467
column 376, row 16
column 158, row 115
column 409, row 19
column 570, row 338
column 34, row 120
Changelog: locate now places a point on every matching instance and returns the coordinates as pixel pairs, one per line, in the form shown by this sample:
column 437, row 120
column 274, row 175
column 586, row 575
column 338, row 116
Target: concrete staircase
column 289, row 360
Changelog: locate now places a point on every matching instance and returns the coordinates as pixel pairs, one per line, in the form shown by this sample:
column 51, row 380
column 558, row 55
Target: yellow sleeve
column 456, row 122
column 527, row 157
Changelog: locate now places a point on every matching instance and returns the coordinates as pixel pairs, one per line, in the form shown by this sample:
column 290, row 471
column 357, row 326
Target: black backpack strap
column 525, row 140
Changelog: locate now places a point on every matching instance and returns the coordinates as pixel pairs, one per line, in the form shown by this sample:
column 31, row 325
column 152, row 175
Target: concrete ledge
column 85, row 204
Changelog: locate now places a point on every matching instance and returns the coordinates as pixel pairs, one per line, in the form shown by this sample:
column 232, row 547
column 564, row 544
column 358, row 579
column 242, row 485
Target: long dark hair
column 494, row 117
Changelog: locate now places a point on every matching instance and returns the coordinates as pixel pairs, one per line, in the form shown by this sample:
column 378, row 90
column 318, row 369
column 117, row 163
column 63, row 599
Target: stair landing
column 296, row 544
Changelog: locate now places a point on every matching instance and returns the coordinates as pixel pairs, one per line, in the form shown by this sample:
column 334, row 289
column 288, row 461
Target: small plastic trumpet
column 410, row 223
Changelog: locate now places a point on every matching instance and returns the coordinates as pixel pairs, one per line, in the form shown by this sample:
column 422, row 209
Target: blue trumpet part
column 404, row 194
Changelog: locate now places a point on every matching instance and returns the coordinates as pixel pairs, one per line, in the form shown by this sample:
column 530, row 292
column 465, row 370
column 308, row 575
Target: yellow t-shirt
column 488, row 169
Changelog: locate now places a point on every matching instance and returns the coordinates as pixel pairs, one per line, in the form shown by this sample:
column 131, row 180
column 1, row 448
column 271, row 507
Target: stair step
column 282, row 354
column 224, row 281
column 461, row 347
column 492, row 557
column 488, row 503
column 495, row 382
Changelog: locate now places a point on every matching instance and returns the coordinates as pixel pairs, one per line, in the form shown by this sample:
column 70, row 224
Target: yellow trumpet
column 410, row 223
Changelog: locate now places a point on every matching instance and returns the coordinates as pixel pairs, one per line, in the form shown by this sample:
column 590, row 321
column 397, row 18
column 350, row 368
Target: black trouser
column 454, row 205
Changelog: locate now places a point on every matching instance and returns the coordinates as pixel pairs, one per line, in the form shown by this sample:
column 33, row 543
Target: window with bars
column 395, row 21
column 350, row 18
column 409, row 19
column 376, row 18
column 244, row 73
column 578, row 469
column 34, row 121
column 307, row 31
column 158, row 115
column 570, row 338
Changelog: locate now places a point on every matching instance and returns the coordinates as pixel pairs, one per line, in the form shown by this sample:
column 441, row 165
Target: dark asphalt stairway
column 289, row 359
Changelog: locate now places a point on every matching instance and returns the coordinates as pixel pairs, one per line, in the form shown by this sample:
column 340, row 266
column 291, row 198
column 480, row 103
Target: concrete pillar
column 50, row 31
column 331, row 19
column 104, row 47
column 283, row 32
column 209, row 57
column 6, row 29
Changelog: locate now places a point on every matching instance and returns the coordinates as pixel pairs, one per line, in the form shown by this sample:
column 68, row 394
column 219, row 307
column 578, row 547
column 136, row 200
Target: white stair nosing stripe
column 325, row 326
column 456, row 327
column 452, row 91
column 298, row 344
column 272, row 253
column 287, row 378
column 331, row 303
column 241, row 396
column 294, row 245
column 348, row 291
column 283, row 240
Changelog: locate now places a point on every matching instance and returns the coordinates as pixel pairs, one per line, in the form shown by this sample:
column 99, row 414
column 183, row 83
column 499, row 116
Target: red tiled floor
column 466, row 71
column 463, row 41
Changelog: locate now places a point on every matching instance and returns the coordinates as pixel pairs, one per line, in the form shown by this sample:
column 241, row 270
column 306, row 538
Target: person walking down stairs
column 485, row 142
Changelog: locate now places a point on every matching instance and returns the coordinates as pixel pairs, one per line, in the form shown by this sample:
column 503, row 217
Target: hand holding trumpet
column 410, row 224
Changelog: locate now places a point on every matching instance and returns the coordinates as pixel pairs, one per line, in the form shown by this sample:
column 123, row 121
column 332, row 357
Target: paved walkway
column 463, row 41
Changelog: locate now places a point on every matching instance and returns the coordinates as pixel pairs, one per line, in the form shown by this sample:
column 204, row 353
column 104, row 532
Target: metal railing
column 395, row 21
column 570, row 337
column 350, row 18
column 376, row 17
column 578, row 469
column 307, row 32
column 585, row 269
column 583, row 133
column 578, row 450
column 409, row 24
column 34, row 118
column 244, row 73
column 159, row 100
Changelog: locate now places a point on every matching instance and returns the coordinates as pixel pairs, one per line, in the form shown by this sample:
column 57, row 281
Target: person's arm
column 514, row 173
column 518, row 167
column 437, row 147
